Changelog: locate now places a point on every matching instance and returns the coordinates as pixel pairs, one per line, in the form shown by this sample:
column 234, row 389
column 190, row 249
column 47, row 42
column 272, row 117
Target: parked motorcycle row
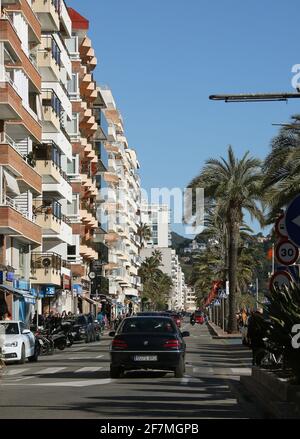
column 60, row 335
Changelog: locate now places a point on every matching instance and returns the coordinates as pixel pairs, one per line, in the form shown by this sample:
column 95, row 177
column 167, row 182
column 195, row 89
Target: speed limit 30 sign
column 286, row 252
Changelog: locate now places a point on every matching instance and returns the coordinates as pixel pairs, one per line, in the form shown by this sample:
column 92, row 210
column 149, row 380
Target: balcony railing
column 50, row 207
column 47, row 261
column 51, row 100
column 7, row 201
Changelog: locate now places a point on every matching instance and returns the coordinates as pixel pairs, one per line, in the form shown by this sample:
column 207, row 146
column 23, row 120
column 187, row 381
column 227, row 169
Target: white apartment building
column 157, row 217
column 122, row 203
column 190, row 303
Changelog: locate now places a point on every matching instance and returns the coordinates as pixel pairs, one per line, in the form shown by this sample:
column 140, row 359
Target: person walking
column 256, row 334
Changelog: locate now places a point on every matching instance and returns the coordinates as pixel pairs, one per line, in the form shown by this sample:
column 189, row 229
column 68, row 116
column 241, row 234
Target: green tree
column 233, row 186
column 144, row 233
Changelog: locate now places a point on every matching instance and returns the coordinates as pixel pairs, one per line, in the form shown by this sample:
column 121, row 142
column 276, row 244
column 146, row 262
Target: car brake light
column 119, row 344
column 172, row 344
column 178, row 321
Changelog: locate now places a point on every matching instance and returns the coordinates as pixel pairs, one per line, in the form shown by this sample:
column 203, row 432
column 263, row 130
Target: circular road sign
column 92, row 275
column 279, row 279
column 292, row 221
column 286, row 252
column 280, row 227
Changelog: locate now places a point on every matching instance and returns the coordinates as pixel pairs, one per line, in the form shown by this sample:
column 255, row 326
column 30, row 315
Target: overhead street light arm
column 255, row 97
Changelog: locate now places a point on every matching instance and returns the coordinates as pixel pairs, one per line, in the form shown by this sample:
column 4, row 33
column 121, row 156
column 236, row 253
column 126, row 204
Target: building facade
column 157, row 217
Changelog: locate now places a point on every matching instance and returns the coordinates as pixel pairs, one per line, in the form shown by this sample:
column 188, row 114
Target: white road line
column 84, row 383
column 203, row 369
column 100, row 356
column 49, row 370
column 80, row 358
column 88, row 369
column 241, row 370
column 184, row 381
column 15, row 371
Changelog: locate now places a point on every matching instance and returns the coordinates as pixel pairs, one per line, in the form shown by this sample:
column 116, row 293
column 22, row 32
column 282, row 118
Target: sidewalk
column 219, row 333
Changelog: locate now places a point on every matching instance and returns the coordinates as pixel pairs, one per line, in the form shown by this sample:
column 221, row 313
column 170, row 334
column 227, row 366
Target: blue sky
column 163, row 58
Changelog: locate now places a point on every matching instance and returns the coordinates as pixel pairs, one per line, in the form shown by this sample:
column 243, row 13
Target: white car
column 17, row 342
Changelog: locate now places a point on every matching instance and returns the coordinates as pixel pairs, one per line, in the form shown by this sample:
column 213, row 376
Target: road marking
column 81, row 358
column 203, row 369
column 15, row 371
column 100, row 356
column 241, row 370
column 88, row 369
column 49, row 370
column 184, row 381
column 83, row 383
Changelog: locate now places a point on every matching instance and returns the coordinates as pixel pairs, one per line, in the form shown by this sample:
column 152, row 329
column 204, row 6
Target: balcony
column 48, row 14
column 49, row 59
column 48, row 162
column 12, row 159
column 9, row 35
column 46, row 268
column 32, row 20
column 17, row 223
column 52, row 110
column 49, row 216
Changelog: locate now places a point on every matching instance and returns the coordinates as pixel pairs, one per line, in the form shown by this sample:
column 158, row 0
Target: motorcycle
column 193, row 322
column 46, row 344
column 67, row 329
column 59, row 339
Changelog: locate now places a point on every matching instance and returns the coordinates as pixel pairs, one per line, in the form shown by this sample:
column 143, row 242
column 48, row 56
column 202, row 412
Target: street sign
column 279, row 279
column 217, row 302
column 292, row 221
column 293, row 270
column 286, row 252
column 92, row 275
column 280, row 227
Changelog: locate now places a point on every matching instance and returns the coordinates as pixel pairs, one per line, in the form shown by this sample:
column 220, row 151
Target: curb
column 220, row 334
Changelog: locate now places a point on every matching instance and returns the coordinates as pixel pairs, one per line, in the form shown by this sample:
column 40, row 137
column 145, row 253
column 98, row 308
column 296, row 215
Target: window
column 72, row 167
column 73, row 84
column 73, row 208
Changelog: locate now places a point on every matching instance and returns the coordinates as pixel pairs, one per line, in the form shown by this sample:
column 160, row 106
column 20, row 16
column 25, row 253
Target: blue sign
column 48, row 291
column 21, row 284
column 292, row 221
column 77, row 288
column 1, row 277
column 10, row 276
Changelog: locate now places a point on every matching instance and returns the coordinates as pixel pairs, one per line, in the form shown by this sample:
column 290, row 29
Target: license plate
column 145, row 358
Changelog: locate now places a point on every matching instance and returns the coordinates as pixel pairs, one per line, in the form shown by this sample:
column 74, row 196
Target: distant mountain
column 179, row 242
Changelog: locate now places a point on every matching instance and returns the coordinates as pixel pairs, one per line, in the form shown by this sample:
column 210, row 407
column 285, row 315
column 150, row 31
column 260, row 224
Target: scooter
column 193, row 322
column 59, row 339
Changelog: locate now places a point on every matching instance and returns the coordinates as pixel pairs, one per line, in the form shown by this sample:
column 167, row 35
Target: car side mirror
column 112, row 334
column 185, row 334
column 26, row 331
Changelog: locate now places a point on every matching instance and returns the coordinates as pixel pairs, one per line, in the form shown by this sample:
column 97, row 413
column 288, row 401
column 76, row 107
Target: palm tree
column 282, row 169
column 144, row 233
column 234, row 186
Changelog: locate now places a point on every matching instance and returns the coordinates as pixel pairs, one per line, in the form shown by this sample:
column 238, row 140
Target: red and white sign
column 279, row 279
column 280, row 227
column 286, row 252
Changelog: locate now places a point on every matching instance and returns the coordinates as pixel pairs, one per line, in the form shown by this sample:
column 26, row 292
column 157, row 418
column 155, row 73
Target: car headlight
column 13, row 344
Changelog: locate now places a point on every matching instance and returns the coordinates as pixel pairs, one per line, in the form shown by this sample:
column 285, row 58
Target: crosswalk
column 29, row 372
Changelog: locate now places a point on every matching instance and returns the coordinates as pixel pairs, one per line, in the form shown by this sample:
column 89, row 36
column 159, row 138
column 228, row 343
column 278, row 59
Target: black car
column 83, row 328
column 147, row 342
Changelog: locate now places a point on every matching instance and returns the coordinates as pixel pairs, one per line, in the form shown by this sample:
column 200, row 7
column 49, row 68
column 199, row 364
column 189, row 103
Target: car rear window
column 198, row 313
column 154, row 325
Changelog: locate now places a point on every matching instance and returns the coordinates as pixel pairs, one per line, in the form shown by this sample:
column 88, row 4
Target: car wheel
column 34, row 358
column 115, row 371
column 22, row 360
column 179, row 370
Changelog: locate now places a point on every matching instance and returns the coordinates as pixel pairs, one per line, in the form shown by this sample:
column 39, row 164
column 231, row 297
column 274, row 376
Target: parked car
column 19, row 342
column 147, row 342
column 83, row 328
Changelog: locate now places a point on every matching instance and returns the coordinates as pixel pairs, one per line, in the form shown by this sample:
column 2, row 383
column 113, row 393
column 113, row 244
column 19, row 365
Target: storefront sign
column 21, row 284
column 49, row 291
column 77, row 289
column 10, row 276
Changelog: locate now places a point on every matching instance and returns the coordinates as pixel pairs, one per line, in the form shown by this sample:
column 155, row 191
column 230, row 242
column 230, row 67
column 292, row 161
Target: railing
column 50, row 152
column 66, row 264
column 50, row 45
column 51, row 100
column 12, row 203
column 46, row 261
column 89, row 208
column 57, row 5
column 50, row 207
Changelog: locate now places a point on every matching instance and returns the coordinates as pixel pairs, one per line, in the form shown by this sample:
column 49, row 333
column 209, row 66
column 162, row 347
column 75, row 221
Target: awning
column 20, row 293
column 12, row 184
column 88, row 299
column 131, row 292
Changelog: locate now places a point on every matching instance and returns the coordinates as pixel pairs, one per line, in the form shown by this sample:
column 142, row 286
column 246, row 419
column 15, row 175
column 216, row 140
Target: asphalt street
column 75, row 383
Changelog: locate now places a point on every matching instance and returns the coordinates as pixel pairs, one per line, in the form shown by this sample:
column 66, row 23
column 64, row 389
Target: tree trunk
column 233, row 235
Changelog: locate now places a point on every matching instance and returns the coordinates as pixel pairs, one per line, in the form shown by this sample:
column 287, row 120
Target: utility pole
column 257, row 293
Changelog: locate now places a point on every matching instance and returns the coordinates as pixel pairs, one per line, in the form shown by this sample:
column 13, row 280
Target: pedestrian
column 3, row 308
column 255, row 334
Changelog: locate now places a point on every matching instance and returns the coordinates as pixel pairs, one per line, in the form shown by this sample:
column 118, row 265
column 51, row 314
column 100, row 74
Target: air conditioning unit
column 46, row 262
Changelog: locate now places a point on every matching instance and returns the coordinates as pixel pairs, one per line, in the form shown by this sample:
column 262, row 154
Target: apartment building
column 83, row 130
column 190, row 300
column 121, row 206
column 20, row 135
column 157, row 217
column 51, row 273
